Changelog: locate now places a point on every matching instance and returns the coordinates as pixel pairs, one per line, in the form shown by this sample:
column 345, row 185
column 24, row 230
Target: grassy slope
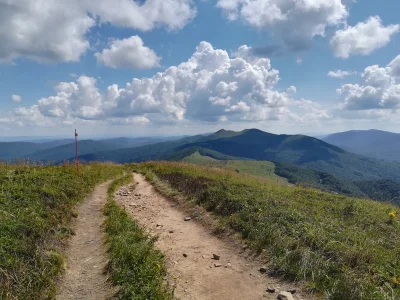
column 344, row 248
column 135, row 266
column 265, row 169
column 36, row 204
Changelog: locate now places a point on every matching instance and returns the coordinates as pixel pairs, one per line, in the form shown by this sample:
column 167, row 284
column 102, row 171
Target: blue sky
column 33, row 62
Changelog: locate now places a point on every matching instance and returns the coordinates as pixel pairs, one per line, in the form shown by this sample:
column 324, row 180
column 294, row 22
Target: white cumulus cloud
column 16, row 98
column 296, row 22
column 340, row 74
column 363, row 38
column 128, row 53
column 210, row 86
column 379, row 89
column 292, row 89
column 56, row 31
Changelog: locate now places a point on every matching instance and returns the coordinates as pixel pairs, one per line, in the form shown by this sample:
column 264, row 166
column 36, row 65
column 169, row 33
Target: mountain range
column 335, row 163
column 300, row 150
column 58, row 150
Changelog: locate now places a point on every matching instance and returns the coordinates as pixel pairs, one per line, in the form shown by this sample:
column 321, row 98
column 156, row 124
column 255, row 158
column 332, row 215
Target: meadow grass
column 135, row 266
column 36, row 204
column 340, row 247
column 260, row 168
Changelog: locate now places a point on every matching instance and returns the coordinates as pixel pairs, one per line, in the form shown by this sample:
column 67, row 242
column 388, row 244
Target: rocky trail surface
column 86, row 253
column 200, row 265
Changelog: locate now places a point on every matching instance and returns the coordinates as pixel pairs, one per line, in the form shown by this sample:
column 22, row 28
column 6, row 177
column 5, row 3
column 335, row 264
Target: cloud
column 16, row 98
column 296, row 22
column 209, row 87
column 128, row 53
column 341, row 74
column 141, row 120
column 29, row 116
column 77, row 100
column 292, row 89
column 363, row 38
column 44, row 31
column 268, row 51
column 51, row 31
column 379, row 89
column 173, row 14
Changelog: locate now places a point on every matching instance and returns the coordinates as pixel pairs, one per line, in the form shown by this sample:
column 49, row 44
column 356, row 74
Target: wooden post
column 76, row 155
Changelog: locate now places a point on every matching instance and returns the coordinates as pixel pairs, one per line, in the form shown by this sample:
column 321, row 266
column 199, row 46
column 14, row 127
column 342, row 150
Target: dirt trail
column 86, row 257
column 196, row 276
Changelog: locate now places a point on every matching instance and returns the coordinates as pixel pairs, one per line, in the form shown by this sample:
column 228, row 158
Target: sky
column 177, row 67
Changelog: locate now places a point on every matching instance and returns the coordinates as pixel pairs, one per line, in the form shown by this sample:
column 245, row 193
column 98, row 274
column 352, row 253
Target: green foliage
column 135, row 266
column 343, row 248
column 36, row 203
column 381, row 190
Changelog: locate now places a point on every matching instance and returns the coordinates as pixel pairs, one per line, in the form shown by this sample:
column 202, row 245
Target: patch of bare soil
column 86, row 254
column 189, row 248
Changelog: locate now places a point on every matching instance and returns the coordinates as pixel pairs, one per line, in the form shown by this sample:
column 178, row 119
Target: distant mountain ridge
column 20, row 150
column 58, row 150
column 301, row 150
column 371, row 143
column 56, row 154
column 301, row 159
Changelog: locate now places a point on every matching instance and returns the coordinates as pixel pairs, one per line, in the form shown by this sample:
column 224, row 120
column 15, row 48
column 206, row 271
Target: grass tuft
column 135, row 266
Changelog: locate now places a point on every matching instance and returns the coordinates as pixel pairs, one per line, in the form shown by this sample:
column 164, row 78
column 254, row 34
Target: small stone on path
column 216, row 256
column 217, row 265
column 263, row 270
column 185, row 255
column 271, row 289
column 187, row 219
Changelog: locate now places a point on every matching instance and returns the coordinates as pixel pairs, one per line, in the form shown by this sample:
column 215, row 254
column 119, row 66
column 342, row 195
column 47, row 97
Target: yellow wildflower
column 395, row 280
column 392, row 214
